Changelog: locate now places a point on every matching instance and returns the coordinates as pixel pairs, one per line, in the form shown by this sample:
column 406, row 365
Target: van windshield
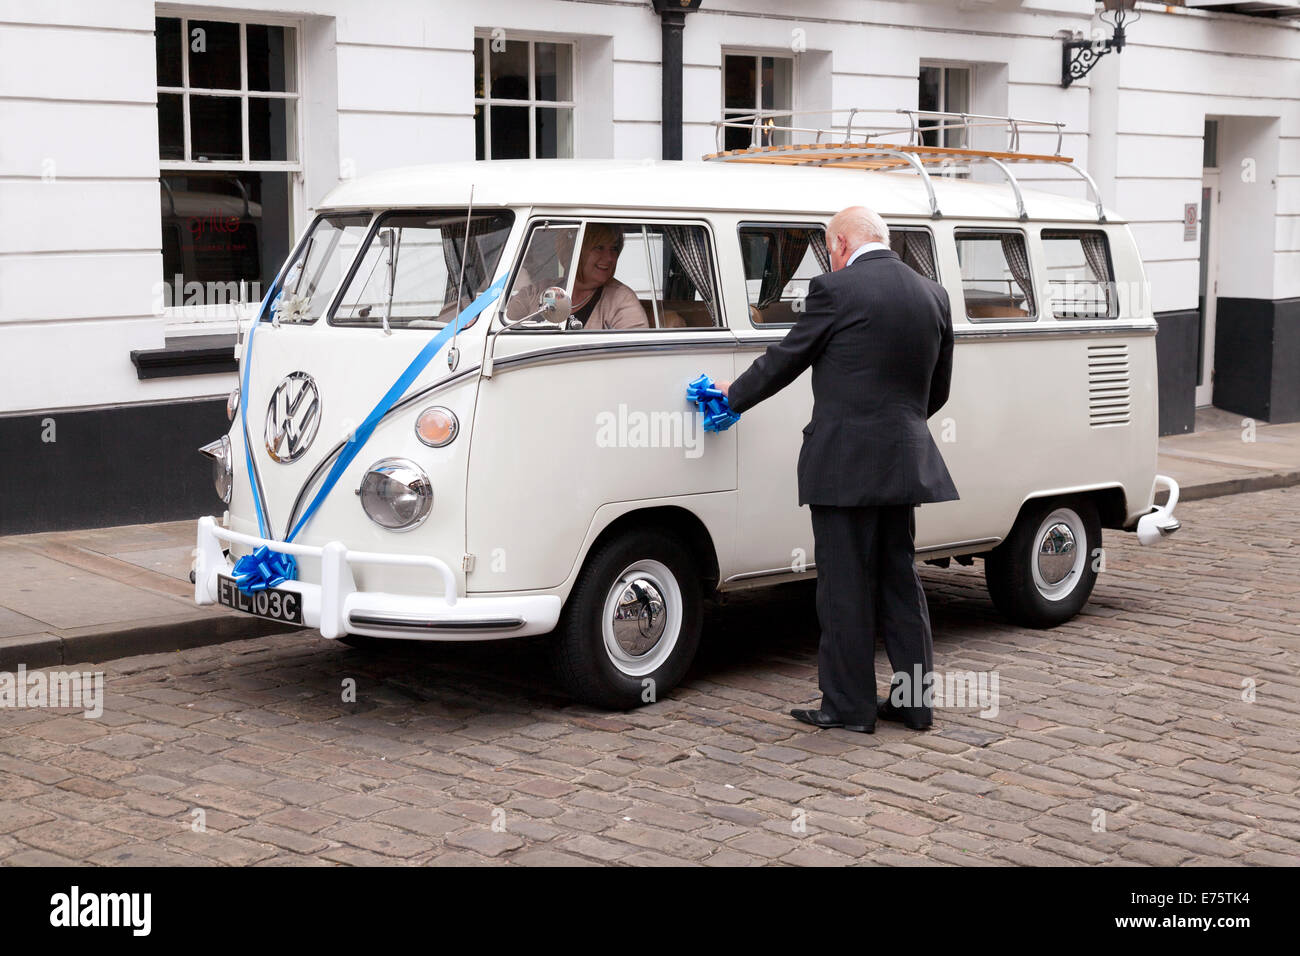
column 321, row 262
column 420, row 270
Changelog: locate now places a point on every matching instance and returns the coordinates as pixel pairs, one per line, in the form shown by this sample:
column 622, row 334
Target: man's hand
column 722, row 387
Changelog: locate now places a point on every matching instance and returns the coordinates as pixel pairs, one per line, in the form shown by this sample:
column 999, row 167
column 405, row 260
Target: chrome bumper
column 1160, row 523
column 336, row 608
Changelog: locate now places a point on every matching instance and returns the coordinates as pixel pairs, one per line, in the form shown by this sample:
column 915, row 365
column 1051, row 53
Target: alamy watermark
column 77, row 690
column 946, row 689
column 637, row 429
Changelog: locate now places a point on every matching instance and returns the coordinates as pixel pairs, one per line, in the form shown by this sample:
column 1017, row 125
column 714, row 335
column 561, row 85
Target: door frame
column 1210, row 272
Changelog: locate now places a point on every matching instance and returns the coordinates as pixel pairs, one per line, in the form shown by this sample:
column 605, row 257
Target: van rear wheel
column 1044, row 572
column 632, row 624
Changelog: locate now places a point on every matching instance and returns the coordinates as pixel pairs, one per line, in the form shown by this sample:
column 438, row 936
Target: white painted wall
column 388, row 83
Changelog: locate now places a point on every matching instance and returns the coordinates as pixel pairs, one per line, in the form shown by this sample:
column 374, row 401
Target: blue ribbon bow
column 263, row 569
column 715, row 408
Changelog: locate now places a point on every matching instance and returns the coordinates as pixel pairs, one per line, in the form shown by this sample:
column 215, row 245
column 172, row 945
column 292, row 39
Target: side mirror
column 554, row 305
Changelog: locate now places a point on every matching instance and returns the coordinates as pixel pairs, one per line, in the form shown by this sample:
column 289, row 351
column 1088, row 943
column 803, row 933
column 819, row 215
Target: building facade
column 159, row 160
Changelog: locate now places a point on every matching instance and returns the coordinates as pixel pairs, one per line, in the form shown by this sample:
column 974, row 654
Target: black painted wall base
column 1176, row 363
column 1257, row 358
column 108, row 466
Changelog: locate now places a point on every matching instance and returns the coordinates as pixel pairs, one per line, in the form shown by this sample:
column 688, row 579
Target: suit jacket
column 879, row 339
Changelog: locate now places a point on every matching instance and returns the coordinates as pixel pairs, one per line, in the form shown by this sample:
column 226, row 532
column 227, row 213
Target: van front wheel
column 632, row 624
column 1044, row 572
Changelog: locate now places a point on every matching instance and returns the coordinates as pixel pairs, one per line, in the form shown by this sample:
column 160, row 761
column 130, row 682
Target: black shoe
column 819, row 718
column 885, row 710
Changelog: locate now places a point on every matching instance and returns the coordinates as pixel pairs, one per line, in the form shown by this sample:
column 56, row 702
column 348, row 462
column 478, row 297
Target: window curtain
column 1094, row 250
column 914, row 249
column 1018, row 261
column 691, row 249
column 820, row 251
column 789, row 248
column 453, row 242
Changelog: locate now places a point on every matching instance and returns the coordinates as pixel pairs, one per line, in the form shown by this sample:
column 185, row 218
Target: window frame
column 957, row 235
column 1049, row 233
column 487, row 101
column 377, row 220
column 756, row 55
column 943, row 107
column 934, row 246
column 769, row 224
column 540, row 221
column 209, row 317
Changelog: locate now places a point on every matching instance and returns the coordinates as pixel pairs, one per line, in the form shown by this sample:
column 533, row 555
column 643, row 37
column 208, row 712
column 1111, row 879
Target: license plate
column 273, row 603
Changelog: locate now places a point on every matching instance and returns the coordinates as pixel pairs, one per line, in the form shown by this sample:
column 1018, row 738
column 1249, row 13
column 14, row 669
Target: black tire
column 587, row 658
column 1037, row 600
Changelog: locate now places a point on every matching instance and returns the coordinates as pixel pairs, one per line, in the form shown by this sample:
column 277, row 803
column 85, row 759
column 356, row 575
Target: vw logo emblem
column 293, row 418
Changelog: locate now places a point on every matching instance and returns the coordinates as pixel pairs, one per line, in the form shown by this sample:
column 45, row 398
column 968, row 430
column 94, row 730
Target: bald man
column 878, row 337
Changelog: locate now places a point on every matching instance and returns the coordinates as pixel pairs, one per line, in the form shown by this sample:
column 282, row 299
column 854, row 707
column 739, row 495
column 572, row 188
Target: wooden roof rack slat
column 873, row 153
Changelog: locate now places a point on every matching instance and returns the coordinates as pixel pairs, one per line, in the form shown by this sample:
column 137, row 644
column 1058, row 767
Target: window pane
column 271, row 128
column 995, row 276
column 554, row 133
column 216, row 128
column 510, row 71
column 779, row 263
column 171, row 126
column 480, row 79
column 214, row 55
column 916, row 248
column 323, row 261
column 480, row 123
column 738, row 137
column 554, row 71
column 547, row 262
column 956, row 100
column 272, row 58
column 425, row 252
column 219, row 228
column 928, row 99
column 510, row 132
column 167, row 50
column 1078, row 274
column 740, row 85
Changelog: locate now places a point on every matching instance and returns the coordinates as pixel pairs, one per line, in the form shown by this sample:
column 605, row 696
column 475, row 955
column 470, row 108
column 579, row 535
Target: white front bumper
column 336, row 607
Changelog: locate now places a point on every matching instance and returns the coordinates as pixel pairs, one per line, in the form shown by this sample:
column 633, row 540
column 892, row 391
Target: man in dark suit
column 879, row 339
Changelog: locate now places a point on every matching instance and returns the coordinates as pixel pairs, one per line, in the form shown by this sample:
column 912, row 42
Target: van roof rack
column 869, row 148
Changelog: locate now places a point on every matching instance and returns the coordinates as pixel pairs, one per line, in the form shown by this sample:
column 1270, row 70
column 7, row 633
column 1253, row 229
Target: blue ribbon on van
column 266, row 568
column 713, row 405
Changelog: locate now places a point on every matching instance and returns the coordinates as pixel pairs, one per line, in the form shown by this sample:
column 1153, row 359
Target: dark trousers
column 867, row 585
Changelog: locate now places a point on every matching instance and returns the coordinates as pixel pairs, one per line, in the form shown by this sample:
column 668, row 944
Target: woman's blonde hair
column 602, row 232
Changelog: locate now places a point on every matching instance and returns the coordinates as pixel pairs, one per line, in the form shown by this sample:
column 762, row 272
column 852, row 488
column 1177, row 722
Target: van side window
column 995, row 275
column 1080, row 278
column 626, row 276
column 916, row 248
column 780, row 260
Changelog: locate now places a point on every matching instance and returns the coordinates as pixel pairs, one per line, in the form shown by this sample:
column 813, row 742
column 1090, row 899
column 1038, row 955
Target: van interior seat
column 679, row 314
column 982, row 311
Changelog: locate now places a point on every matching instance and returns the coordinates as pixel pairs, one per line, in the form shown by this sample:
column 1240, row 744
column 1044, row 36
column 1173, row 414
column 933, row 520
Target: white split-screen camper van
column 449, row 449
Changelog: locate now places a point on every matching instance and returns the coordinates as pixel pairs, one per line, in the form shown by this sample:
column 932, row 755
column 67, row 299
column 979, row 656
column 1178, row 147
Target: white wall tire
column 1044, row 572
column 631, row 626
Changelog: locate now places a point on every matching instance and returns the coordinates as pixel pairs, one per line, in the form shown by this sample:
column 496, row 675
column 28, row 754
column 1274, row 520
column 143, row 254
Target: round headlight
column 232, row 404
column 396, row 494
column 222, row 465
column 436, row 426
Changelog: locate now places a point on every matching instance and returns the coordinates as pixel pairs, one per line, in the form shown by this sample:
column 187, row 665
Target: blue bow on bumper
column 263, row 569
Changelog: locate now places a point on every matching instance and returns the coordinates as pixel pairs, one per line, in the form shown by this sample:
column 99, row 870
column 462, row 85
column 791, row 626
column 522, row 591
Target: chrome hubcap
column 1056, row 553
column 1060, row 551
column 642, row 618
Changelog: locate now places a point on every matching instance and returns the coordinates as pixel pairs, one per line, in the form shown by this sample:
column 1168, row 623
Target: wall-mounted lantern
column 1080, row 56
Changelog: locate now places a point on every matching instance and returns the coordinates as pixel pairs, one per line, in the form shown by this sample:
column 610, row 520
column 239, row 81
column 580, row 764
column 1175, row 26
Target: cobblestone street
column 1162, row 726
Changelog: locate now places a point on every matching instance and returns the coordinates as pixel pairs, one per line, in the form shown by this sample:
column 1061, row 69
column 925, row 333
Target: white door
column 1209, row 283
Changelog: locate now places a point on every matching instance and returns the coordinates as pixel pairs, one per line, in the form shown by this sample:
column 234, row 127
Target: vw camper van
column 431, row 442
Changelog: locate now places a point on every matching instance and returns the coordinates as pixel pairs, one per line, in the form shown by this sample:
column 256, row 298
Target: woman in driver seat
column 599, row 300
